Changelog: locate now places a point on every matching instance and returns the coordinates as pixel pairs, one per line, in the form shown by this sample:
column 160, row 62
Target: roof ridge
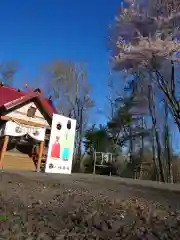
column 10, row 96
column 12, row 88
column 22, row 91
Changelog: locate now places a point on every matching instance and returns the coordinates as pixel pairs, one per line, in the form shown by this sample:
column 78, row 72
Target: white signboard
column 105, row 157
column 61, row 145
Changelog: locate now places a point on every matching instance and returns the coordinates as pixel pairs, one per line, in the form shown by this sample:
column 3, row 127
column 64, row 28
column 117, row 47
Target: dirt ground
column 40, row 206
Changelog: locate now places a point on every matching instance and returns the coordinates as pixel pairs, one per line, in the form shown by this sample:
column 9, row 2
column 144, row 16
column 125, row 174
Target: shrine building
column 25, row 123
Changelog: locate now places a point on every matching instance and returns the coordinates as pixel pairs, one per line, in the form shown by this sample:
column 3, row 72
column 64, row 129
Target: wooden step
column 18, row 162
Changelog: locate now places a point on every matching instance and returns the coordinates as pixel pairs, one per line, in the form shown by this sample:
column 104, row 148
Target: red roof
column 8, row 95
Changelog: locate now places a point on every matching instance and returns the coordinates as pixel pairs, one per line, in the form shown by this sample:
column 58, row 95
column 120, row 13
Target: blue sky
column 37, row 32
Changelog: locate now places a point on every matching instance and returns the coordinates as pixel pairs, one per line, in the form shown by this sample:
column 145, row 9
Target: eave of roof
column 11, row 97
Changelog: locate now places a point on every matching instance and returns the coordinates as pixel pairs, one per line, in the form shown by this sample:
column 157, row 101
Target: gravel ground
column 37, row 206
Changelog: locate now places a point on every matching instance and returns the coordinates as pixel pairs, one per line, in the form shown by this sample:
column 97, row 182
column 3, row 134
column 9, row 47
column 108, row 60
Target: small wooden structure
column 103, row 160
column 25, row 122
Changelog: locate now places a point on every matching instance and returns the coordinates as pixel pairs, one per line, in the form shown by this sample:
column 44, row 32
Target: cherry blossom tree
column 144, row 36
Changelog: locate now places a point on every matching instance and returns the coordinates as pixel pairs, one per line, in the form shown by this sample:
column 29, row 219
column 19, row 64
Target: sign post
column 61, row 145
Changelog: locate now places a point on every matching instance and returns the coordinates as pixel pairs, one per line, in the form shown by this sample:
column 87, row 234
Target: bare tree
column 8, row 70
column 70, row 88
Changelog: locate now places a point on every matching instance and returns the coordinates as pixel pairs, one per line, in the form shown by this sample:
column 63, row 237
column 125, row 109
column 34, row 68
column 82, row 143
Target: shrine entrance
column 17, row 146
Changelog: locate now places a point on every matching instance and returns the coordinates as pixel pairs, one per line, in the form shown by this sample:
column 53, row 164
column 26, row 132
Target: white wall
column 21, row 113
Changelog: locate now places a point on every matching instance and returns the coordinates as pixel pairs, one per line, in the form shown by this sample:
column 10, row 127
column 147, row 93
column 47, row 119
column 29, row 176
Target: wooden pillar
column 3, row 150
column 41, row 148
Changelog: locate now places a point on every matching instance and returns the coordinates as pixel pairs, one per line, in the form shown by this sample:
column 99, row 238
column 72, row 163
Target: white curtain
column 16, row 130
column 37, row 133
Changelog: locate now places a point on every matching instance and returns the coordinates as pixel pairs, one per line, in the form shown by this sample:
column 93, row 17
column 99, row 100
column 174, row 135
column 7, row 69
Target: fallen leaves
column 50, row 210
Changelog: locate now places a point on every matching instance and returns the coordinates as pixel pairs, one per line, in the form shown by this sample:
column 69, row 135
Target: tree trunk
column 154, row 122
column 131, row 150
column 167, row 142
column 154, row 156
column 142, row 139
column 169, row 91
column 79, row 152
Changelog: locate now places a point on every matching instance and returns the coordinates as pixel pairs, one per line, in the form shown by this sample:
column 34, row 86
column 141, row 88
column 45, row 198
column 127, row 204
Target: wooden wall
column 18, row 161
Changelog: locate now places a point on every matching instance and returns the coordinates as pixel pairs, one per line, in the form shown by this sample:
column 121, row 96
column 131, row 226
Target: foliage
column 86, row 165
column 128, row 113
column 97, row 139
column 144, row 31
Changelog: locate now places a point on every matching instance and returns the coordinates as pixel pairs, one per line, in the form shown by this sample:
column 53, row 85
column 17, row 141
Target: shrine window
column 31, row 112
